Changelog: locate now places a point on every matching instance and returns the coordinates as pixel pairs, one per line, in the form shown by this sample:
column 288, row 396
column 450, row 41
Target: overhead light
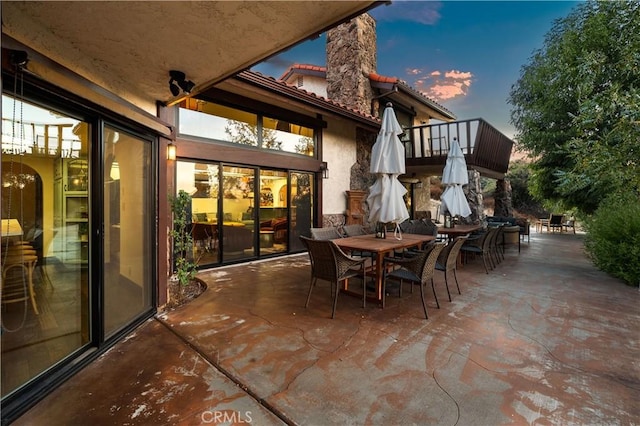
column 179, row 81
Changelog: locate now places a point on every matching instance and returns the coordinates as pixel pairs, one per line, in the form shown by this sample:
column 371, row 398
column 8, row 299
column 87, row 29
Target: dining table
column 381, row 247
column 458, row 230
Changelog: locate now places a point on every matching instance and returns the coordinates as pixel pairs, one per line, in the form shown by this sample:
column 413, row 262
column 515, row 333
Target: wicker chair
column 330, row 263
column 325, row 233
column 448, row 261
column 481, row 245
column 352, row 231
column 497, row 249
column 417, row 269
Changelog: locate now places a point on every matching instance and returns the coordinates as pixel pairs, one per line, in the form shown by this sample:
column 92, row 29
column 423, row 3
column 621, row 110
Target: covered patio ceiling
column 129, row 47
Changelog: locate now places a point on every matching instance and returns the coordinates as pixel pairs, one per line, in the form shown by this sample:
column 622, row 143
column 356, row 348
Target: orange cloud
column 414, row 71
column 442, row 86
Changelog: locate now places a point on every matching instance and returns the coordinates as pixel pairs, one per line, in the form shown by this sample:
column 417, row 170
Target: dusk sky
column 465, row 55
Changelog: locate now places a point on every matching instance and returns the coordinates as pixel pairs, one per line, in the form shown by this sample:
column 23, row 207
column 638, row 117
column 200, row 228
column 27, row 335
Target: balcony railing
column 484, row 147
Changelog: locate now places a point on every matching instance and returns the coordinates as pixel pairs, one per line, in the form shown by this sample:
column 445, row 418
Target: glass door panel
column 273, row 212
column 301, row 208
column 45, row 240
column 237, row 232
column 128, row 228
column 201, row 181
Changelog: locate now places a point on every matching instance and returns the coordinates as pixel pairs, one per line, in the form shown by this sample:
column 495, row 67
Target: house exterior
column 91, row 100
column 351, row 79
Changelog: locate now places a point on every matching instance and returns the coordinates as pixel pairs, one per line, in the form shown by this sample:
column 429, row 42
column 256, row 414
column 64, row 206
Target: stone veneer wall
column 502, row 199
column 351, row 57
column 473, row 191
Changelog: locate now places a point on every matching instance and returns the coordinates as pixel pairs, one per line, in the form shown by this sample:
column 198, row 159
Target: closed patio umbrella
column 454, row 176
column 387, row 162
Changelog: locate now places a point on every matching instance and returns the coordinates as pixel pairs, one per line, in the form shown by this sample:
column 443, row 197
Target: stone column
column 502, row 199
column 473, row 191
column 351, row 57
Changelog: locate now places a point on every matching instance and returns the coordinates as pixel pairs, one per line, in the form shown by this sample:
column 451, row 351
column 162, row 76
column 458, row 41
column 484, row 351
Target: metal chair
column 448, row 261
column 330, row 263
column 417, row 269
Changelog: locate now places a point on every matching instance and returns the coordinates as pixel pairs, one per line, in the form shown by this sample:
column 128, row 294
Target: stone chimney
column 351, row 57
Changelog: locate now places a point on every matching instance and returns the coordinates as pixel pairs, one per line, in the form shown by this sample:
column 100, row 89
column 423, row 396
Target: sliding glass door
column 240, row 212
column 128, row 228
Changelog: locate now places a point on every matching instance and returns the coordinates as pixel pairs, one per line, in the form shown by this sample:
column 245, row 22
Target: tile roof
column 282, row 88
column 310, row 69
column 416, row 94
column 303, row 69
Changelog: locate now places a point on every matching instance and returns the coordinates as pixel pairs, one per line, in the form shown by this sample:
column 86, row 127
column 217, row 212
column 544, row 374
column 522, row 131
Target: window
column 221, row 123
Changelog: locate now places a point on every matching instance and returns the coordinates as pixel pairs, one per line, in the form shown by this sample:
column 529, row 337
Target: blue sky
column 465, row 55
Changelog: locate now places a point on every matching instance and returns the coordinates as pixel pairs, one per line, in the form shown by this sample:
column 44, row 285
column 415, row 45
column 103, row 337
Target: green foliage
column 519, row 176
column 576, row 105
column 613, row 239
column 247, row 134
column 185, row 269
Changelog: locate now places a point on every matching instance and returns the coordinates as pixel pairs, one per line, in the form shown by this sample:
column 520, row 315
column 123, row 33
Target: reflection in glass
column 218, row 122
column 301, row 207
column 128, row 228
column 45, row 240
column 236, row 232
column 274, row 212
column 200, row 180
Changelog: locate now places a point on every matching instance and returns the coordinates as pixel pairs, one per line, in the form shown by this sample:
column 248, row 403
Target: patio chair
column 480, row 245
column 352, row 231
column 330, row 263
column 325, row 233
column 497, row 248
column 555, row 222
column 417, row 269
column 448, row 261
column 570, row 223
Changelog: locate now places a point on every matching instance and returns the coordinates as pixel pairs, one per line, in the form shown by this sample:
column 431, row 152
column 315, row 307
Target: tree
column 519, row 175
column 576, row 106
column 247, row 134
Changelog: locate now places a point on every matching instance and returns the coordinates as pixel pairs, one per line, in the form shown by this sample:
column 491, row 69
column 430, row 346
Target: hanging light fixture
column 18, row 179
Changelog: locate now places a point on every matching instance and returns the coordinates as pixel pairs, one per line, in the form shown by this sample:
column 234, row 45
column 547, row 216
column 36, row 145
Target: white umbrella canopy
column 387, row 162
column 454, row 176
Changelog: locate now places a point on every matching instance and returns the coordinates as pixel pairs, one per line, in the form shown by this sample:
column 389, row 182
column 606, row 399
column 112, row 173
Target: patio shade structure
column 387, row 162
column 454, row 176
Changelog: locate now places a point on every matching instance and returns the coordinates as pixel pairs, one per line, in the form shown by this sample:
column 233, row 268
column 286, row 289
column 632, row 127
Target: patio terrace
column 545, row 338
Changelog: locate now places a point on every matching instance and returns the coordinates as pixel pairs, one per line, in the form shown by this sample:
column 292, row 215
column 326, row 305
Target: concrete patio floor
column 545, row 338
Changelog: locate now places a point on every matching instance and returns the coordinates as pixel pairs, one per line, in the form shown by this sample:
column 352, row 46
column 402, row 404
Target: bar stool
column 13, row 284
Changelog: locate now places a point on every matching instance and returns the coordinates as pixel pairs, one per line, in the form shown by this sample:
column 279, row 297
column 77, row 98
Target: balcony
column 485, row 148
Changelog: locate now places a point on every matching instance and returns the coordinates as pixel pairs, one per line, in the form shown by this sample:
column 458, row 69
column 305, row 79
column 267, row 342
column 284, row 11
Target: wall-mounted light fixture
column 179, row 81
column 171, row 151
column 325, row 170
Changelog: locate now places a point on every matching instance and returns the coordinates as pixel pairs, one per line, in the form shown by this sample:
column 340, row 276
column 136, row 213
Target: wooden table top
column 458, row 229
column 369, row 242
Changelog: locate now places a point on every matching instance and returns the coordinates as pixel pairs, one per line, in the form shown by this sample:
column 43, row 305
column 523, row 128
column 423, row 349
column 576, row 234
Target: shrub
column 613, row 237
column 185, row 269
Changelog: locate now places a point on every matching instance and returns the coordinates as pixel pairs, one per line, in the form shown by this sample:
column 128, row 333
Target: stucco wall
column 339, row 151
